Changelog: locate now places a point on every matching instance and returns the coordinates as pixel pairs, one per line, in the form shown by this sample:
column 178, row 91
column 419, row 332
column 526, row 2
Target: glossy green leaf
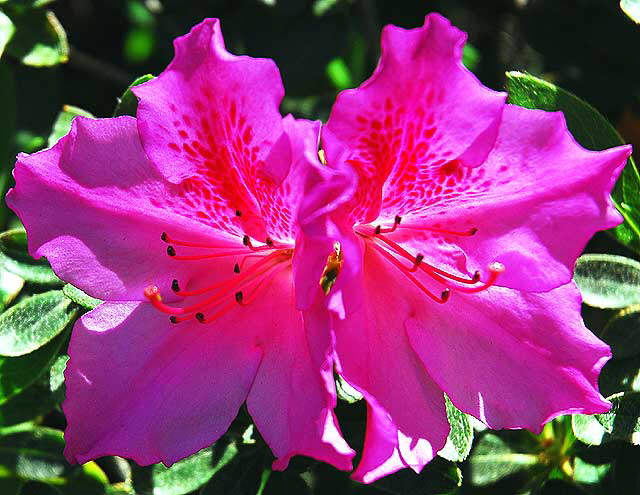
column 19, row 372
column 7, row 29
column 632, row 9
column 184, row 476
column 460, row 437
column 36, row 455
column 62, row 124
column 593, row 132
column 15, row 259
column 493, row 459
column 34, row 321
column 607, row 280
column 39, row 40
column 587, row 429
column 79, row 297
column 128, row 103
column 622, row 333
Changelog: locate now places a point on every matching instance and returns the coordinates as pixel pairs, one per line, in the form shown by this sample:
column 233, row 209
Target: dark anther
column 171, row 251
column 378, row 229
column 245, row 240
column 236, row 268
column 445, row 295
column 239, row 297
column 419, row 259
column 175, row 286
column 173, row 319
column 398, row 219
column 476, row 276
column 238, row 213
column 473, row 231
column 269, row 242
column 164, row 236
column 200, row 317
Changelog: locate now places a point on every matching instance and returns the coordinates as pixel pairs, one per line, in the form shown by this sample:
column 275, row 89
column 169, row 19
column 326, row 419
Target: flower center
column 252, row 273
column 397, row 256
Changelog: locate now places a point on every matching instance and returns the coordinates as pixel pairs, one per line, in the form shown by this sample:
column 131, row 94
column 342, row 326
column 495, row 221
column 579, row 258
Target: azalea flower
column 184, row 221
column 452, row 270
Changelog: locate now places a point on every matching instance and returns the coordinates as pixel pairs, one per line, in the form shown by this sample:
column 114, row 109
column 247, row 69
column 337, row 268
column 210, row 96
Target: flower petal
column 211, row 118
column 96, row 207
column 142, row 388
column 535, row 203
column 421, row 106
column 293, row 395
column 375, row 356
column 512, row 359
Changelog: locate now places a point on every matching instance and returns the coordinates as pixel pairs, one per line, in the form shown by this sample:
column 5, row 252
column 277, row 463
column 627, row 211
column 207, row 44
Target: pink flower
column 184, row 221
column 457, row 251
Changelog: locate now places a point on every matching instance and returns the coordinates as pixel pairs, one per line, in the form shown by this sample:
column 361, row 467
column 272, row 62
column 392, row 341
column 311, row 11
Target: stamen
column 236, row 268
column 239, row 297
column 172, row 252
column 175, row 286
column 246, row 240
column 444, row 295
column 238, row 213
column 495, row 269
column 200, row 317
column 258, row 288
column 170, row 240
column 396, row 221
column 464, row 233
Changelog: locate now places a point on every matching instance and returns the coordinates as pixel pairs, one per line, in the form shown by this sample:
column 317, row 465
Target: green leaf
column 437, row 477
column 34, row 321
column 339, row 74
column 460, row 437
column 587, row 429
column 632, row 9
column 19, row 372
column 493, row 459
column 607, row 280
column 10, row 287
column 7, row 29
column 128, row 103
column 240, row 476
column 56, row 377
column 39, row 40
column 623, row 421
column 593, row 132
column 15, row 259
column 28, row 405
column 345, row 391
column 622, row 333
column 36, row 454
column 470, row 57
column 79, row 297
column 184, row 476
column 62, row 124
column 584, row 472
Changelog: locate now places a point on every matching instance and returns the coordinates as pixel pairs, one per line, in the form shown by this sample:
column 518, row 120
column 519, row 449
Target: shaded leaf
column 460, row 437
column 241, row 476
column 593, row 132
column 493, row 459
column 39, row 40
column 62, row 124
column 437, row 477
column 622, row 333
column 607, row 280
column 17, row 373
column 79, row 297
column 186, row 475
column 623, row 421
column 128, row 103
column 34, row 321
column 589, row 473
column 15, row 259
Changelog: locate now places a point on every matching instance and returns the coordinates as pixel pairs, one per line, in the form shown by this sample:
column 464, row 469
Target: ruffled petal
column 96, row 208
column 535, row 203
column 293, row 395
column 210, row 120
column 387, row 449
column 512, row 359
column 375, row 356
column 142, row 388
column 420, row 108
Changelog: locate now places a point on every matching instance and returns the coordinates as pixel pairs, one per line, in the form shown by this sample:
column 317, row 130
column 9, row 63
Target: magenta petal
column 212, row 117
column 142, row 388
column 293, row 395
column 512, row 359
column 535, row 202
column 420, row 108
column 375, row 356
column 95, row 207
